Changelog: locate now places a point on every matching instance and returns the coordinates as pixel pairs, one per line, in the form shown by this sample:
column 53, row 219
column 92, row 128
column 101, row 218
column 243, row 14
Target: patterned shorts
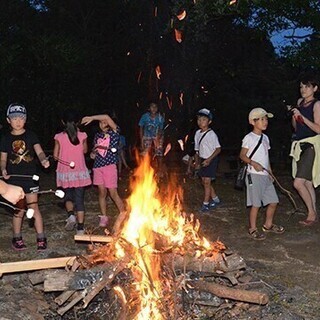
column 157, row 143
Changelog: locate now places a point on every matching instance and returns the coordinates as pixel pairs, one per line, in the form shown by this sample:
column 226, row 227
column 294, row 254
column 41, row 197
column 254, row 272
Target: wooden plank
column 29, row 265
column 92, row 238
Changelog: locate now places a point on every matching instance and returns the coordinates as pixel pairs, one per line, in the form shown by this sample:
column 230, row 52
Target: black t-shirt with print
column 20, row 152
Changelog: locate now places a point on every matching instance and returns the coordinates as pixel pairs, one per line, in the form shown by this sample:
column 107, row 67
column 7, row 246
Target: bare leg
column 116, row 198
column 122, row 214
column 18, row 218
column 307, row 195
column 207, row 188
column 69, row 206
column 269, row 215
column 32, row 202
column 253, row 218
column 102, row 199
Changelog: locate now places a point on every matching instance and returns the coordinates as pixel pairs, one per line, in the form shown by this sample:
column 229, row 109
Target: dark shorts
column 75, row 195
column 210, row 170
column 305, row 164
column 27, row 184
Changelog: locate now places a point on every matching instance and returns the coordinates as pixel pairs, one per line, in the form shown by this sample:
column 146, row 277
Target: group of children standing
column 19, row 149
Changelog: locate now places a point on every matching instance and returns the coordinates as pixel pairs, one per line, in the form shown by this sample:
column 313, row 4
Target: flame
column 155, row 225
column 151, row 217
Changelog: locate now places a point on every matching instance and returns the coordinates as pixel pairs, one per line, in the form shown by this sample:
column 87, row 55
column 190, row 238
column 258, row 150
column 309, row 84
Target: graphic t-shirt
column 106, row 145
column 151, row 127
column 20, row 152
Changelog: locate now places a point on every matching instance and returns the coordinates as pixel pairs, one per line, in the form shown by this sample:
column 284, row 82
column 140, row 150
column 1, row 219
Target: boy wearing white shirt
column 260, row 188
column 207, row 149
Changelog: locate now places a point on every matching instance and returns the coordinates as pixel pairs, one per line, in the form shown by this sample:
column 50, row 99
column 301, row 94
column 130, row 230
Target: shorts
column 106, row 176
column 210, row 170
column 27, row 184
column 156, row 142
column 261, row 192
column 76, row 195
column 305, row 164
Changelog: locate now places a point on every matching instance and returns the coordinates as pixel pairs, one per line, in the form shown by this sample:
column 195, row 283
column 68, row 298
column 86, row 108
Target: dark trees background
column 118, row 55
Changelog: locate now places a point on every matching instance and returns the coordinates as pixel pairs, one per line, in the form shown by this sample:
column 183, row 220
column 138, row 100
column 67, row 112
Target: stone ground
column 286, row 266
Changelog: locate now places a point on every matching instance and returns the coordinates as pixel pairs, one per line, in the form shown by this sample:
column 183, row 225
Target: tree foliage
column 99, row 55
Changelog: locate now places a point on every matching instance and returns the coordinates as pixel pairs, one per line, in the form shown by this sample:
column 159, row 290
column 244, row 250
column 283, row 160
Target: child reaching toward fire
column 260, row 188
column 105, row 175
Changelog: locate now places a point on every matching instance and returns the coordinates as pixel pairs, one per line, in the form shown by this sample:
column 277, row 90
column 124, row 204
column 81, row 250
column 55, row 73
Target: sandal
column 256, row 235
column 274, row 228
column 308, row 223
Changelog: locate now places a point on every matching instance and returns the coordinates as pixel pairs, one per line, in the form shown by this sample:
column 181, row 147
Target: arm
column 207, row 161
column 100, row 117
column 56, row 149
column 3, row 164
column 10, row 192
column 141, row 135
column 243, row 156
column 85, row 146
column 41, row 155
column 314, row 126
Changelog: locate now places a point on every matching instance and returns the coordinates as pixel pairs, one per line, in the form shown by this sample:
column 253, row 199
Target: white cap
column 258, row 113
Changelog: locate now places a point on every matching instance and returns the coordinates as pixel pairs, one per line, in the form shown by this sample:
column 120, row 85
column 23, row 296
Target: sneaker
column 41, row 244
column 213, row 204
column 205, row 208
column 104, row 220
column 18, row 244
column 70, row 222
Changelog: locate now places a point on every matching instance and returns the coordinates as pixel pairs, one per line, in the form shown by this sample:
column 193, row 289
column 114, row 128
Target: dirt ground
column 287, row 265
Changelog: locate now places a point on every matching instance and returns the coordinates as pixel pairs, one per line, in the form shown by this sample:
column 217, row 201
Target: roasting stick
column 33, row 177
column 71, row 164
column 287, row 192
column 31, row 265
column 29, row 211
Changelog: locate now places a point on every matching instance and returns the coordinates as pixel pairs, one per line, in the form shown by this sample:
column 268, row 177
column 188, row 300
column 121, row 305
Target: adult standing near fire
column 305, row 148
column 151, row 126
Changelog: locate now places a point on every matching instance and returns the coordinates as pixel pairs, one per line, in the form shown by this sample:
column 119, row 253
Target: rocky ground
column 286, row 266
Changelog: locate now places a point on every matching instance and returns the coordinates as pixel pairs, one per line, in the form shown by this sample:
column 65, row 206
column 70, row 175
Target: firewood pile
column 211, row 284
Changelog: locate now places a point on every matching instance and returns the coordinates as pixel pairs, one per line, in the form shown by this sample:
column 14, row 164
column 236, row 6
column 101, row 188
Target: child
column 70, row 146
column 151, row 126
column 306, row 147
column 18, row 150
column 260, row 189
column 207, row 149
column 105, row 155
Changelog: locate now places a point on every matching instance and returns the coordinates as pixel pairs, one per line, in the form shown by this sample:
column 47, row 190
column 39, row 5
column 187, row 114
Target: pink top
column 68, row 177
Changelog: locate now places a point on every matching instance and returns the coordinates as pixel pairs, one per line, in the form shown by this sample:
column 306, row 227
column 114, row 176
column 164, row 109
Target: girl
column 105, row 158
column 72, row 173
column 18, row 151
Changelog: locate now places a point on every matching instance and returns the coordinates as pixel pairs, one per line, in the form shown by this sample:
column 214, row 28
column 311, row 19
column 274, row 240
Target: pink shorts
column 106, row 176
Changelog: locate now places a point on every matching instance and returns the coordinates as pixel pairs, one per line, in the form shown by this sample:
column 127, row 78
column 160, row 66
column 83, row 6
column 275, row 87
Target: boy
column 18, row 150
column 151, row 126
column 207, row 149
column 260, row 189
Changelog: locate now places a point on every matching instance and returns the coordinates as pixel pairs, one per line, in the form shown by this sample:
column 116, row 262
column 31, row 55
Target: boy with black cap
column 207, row 149
column 260, row 188
column 18, row 150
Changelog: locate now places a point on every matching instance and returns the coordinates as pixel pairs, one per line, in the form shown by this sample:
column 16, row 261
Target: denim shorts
column 210, row 170
column 76, row 196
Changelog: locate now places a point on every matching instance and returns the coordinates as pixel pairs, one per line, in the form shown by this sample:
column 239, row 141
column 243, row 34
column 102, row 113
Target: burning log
column 231, row 293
